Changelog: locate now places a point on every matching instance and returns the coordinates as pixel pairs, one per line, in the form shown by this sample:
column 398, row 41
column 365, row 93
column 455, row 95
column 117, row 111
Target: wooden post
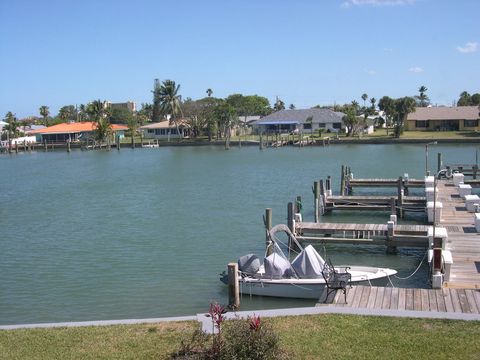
column 316, row 194
column 342, row 181
column 16, row 147
column 68, row 146
column 328, row 184
column 24, row 145
column 46, row 145
column 393, row 210
column 439, row 162
column 290, row 212
column 298, row 204
column 233, row 288
column 267, row 220
column 391, row 249
column 400, row 197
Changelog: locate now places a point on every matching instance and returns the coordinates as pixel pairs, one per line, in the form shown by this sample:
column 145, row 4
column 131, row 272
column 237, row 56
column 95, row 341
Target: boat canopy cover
column 277, row 266
column 249, row 264
column 309, row 263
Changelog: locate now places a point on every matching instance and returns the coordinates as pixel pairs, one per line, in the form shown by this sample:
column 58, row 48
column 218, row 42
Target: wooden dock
column 369, row 234
column 388, row 298
column 463, row 239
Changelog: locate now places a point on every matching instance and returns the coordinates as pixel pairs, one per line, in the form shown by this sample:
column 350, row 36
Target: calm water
column 144, row 233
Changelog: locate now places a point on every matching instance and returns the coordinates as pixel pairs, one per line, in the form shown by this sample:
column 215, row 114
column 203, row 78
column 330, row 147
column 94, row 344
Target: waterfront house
column 165, row 130
column 459, row 118
column 75, row 131
column 301, row 120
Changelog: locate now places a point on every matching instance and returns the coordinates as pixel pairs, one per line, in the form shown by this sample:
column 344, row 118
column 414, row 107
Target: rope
column 418, row 267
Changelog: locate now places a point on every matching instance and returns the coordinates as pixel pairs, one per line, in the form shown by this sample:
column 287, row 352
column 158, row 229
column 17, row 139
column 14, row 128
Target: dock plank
column 408, row 299
column 401, row 299
column 387, row 298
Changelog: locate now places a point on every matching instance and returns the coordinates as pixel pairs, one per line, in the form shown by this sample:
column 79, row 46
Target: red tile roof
column 74, row 128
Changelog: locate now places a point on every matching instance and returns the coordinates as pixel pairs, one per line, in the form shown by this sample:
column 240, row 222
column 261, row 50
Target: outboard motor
column 249, row 264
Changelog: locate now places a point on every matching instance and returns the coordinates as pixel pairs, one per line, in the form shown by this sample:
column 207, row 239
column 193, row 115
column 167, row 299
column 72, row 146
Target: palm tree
column 279, row 105
column 364, row 98
column 373, row 101
column 209, row 92
column 422, row 97
column 387, row 105
column 98, row 112
column 291, row 107
column 156, row 111
column 170, row 102
column 44, row 111
column 11, row 128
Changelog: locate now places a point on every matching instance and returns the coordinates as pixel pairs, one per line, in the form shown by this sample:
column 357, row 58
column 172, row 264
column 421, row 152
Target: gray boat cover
column 249, row 264
column 277, row 266
column 309, row 263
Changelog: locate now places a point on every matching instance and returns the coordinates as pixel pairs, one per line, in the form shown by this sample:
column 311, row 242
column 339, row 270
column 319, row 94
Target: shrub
column 251, row 339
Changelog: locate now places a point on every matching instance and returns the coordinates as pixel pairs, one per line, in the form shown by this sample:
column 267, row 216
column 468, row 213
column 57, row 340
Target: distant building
column 78, row 131
column 460, row 118
column 165, row 130
column 130, row 105
column 301, row 120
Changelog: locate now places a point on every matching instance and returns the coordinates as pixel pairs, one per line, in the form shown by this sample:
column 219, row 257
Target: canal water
column 144, row 233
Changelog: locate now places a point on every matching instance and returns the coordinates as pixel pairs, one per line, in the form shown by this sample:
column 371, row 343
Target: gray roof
column 299, row 116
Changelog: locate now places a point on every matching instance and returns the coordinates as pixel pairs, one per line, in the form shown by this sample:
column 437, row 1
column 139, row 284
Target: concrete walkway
column 206, row 322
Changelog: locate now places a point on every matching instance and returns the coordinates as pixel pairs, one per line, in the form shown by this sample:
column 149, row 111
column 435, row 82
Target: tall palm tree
column 422, row 97
column 364, row 98
column 156, row 110
column 133, row 124
column 44, row 111
column 373, row 101
column 209, row 92
column 279, row 105
column 170, row 101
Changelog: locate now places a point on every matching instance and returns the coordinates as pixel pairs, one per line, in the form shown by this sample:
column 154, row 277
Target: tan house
column 460, row 118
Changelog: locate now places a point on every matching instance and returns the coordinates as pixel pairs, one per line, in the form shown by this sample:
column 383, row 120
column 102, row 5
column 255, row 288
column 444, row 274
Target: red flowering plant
column 254, row 322
column 216, row 312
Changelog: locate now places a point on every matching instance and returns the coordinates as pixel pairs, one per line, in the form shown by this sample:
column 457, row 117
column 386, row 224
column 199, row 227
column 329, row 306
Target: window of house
column 322, row 125
column 151, row 131
column 158, row 131
column 421, row 124
column 470, row 123
column 307, row 126
column 337, row 125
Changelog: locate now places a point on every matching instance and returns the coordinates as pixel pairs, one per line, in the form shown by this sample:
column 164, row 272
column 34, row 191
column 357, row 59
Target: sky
column 306, row 52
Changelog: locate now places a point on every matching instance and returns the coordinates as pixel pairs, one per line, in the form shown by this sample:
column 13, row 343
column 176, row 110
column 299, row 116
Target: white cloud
column 416, row 69
column 370, row 72
column 349, row 3
column 469, row 47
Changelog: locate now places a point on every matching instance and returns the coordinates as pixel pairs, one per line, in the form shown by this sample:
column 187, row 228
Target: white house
column 165, row 130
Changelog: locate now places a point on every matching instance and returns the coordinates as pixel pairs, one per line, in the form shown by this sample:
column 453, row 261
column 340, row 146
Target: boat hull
column 305, row 288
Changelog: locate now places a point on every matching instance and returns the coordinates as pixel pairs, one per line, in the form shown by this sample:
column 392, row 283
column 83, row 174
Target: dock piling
column 267, row 220
column 233, row 287
column 316, row 194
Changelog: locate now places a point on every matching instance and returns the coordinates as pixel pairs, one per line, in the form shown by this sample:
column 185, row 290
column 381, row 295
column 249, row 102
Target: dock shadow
column 469, row 230
column 460, row 208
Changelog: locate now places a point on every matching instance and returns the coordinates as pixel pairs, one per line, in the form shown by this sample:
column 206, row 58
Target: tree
column 133, row 125
column 98, row 112
column 11, row 128
column 403, row 107
column 372, row 102
column 157, row 100
column 422, row 98
column 45, row 112
column 364, row 98
column 475, row 99
column 309, row 120
column 279, row 105
column 387, row 105
column 291, row 107
column 350, row 119
column 120, row 115
column 209, row 92
column 465, row 99
column 227, row 117
column 146, row 110
column 67, row 112
column 170, row 101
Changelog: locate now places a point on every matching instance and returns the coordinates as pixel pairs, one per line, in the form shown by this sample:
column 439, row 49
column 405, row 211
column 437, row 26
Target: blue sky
column 307, row 52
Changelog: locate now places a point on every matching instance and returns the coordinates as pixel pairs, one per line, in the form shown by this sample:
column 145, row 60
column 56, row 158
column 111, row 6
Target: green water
column 144, row 233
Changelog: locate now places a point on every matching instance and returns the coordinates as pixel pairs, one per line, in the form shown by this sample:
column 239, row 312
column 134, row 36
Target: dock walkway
column 444, row 300
column 463, row 239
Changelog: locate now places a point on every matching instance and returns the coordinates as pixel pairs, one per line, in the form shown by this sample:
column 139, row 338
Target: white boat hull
column 310, row 288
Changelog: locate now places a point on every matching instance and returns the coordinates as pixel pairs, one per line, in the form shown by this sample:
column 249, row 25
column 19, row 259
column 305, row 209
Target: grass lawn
column 382, row 134
column 303, row 337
